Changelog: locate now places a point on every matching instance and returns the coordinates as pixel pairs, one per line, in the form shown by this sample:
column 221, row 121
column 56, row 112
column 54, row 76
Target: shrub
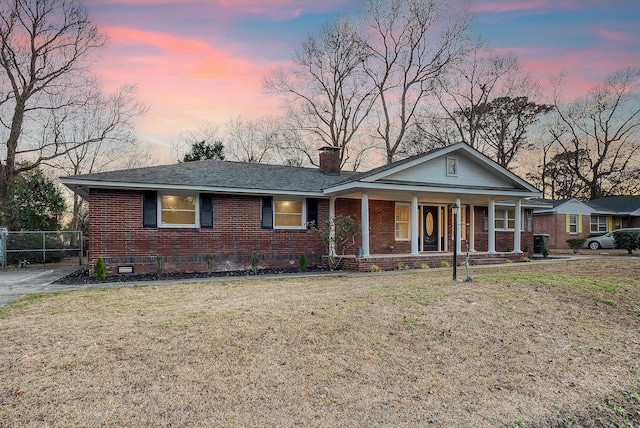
column 302, row 262
column 423, row 266
column 443, row 264
column 209, row 263
column 255, row 260
column 576, row 244
column 100, row 269
column 509, row 261
column 402, row 266
column 545, row 252
column 525, row 259
column 375, row 268
column 627, row 241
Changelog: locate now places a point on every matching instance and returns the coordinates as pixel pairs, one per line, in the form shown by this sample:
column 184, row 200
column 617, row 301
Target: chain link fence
column 27, row 248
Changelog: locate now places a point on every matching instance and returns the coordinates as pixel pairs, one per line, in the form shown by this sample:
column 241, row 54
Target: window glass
column 178, row 210
column 573, row 223
column 288, row 214
column 598, row 223
column 505, row 220
column 402, row 221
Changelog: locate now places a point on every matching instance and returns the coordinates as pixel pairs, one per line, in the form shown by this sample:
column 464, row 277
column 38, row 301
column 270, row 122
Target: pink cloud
column 498, row 6
column 615, row 36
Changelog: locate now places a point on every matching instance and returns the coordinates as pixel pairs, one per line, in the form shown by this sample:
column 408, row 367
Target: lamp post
column 454, row 208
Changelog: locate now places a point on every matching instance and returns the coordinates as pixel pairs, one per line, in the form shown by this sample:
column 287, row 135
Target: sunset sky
column 203, row 61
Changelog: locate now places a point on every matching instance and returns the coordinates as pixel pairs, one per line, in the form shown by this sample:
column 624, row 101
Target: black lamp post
column 454, row 208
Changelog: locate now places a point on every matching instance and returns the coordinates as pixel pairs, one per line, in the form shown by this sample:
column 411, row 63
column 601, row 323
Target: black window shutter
column 206, row 211
column 150, row 209
column 312, row 213
column 267, row 212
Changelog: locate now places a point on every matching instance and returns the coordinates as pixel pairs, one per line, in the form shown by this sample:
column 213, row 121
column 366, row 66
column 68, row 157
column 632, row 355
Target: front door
column 430, row 228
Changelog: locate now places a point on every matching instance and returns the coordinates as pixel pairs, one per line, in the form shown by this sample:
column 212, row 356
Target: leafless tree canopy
column 44, row 48
column 327, row 94
column 412, row 43
column 597, row 138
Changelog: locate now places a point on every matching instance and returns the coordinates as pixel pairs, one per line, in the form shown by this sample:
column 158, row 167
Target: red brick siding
column 115, row 228
column 555, row 225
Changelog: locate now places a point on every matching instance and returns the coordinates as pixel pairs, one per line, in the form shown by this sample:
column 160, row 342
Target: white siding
column 470, row 173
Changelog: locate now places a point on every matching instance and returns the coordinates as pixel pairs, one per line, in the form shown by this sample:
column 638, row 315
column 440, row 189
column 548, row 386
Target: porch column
column 472, row 228
column 365, row 225
column 517, row 233
column 492, row 226
column 414, row 226
column 332, row 226
column 459, row 227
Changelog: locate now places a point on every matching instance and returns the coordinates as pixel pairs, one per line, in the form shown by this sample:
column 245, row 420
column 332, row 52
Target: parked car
column 607, row 240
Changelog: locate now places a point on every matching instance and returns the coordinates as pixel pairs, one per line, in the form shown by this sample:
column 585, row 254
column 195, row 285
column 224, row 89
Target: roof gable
column 567, row 206
column 472, row 170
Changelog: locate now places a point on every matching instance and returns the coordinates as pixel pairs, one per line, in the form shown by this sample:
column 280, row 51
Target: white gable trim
column 487, row 163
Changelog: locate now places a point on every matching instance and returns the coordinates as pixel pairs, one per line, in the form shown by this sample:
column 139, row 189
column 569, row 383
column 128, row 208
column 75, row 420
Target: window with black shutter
column 267, row 212
column 312, row 213
column 206, row 211
column 149, row 209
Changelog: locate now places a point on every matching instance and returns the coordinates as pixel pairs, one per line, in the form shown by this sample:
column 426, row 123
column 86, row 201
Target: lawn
column 528, row 344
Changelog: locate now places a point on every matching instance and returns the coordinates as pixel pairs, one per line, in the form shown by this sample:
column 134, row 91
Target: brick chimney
column 330, row 160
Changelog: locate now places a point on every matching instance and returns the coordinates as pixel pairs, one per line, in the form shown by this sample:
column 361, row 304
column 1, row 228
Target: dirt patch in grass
column 532, row 344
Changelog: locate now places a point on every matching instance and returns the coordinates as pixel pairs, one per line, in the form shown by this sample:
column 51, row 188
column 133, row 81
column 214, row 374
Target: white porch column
column 492, row 226
column 517, row 233
column 459, row 228
column 414, row 226
column 472, row 228
column 332, row 226
column 365, row 225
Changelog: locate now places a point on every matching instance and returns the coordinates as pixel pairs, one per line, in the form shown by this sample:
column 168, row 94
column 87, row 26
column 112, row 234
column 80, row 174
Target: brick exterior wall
column 116, row 234
column 555, row 225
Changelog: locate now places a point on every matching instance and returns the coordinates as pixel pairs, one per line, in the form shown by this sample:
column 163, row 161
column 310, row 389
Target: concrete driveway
column 15, row 283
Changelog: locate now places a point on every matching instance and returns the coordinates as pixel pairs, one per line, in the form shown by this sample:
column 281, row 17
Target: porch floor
column 392, row 261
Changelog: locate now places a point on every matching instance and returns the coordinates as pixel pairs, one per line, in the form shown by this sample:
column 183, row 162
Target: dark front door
column 430, row 229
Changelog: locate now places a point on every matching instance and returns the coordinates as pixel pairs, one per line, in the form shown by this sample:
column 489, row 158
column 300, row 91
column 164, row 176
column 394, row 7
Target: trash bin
column 540, row 242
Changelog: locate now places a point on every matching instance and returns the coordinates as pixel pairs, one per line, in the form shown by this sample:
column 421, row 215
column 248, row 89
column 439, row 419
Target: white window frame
column 573, row 224
column 196, row 223
column 303, row 224
column 452, row 166
column 408, row 222
column 598, row 224
column 502, row 214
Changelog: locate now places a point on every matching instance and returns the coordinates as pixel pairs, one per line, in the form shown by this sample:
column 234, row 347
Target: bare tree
column 44, row 45
column 326, row 93
column 412, row 42
column 470, row 83
column 255, row 141
column 105, row 124
column 503, row 125
column 598, row 135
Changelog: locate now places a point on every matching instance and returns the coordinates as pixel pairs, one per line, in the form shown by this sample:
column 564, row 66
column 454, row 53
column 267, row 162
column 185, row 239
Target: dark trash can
column 540, row 242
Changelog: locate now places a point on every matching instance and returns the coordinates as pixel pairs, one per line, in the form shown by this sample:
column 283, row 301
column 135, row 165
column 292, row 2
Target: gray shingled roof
column 618, row 204
column 216, row 173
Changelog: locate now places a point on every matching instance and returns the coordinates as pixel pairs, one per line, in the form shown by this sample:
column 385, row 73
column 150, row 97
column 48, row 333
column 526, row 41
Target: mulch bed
column 82, row 276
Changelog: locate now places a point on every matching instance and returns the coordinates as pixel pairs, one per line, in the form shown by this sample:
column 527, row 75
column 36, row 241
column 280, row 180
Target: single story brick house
column 572, row 219
column 223, row 215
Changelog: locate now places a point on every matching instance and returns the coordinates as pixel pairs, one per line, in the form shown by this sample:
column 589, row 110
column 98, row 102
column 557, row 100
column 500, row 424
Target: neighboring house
column 224, row 215
column 562, row 220
column 571, row 218
column 614, row 212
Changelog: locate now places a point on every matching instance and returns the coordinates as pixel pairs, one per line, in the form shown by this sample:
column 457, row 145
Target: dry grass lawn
column 529, row 344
